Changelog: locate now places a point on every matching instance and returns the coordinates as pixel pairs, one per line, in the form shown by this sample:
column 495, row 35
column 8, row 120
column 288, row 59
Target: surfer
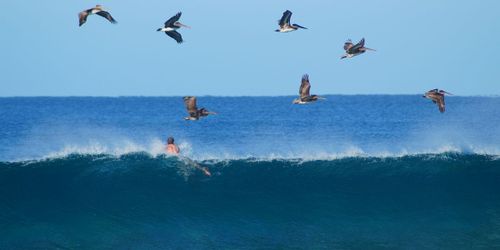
column 172, row 149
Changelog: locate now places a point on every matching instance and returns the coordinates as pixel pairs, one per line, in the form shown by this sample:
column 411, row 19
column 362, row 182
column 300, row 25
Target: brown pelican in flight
column 194, row 112
column 285, row 25
column 352, row 50
column 437, row 96
column 171, row 27
column 304, row 89
column 82, row 16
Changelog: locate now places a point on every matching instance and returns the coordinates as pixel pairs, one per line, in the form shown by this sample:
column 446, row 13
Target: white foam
column 156, row 147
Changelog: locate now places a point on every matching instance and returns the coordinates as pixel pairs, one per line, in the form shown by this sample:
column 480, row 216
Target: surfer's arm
column 204, row 170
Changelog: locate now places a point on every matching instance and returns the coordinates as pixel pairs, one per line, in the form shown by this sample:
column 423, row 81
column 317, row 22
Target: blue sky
column 232, row 48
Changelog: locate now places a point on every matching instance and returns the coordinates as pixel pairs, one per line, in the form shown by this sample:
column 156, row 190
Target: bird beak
column 448, row 93
column 212, row 113
column 183, row 25
column 343, row 57
column 369, row 49
column 321, row 98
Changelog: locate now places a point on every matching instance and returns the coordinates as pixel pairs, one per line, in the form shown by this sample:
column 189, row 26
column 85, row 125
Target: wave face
column 141, row 201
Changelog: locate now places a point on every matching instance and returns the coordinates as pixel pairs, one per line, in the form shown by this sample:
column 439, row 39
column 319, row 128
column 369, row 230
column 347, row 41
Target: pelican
column 173, row 24
column 194, row 112
column 285, row 25
column 305, row 97
column 437, row 96
column 82, row 16
column 352, row 50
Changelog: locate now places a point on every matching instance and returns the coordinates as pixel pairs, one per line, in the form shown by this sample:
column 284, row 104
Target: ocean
column 348, row 172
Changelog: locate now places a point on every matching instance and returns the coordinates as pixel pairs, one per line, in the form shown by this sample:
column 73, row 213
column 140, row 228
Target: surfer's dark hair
column 170, row 140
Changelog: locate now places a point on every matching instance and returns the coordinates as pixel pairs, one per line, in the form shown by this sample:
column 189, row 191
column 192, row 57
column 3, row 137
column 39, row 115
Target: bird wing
column 298, row 26
column 432, row 91
column 440, row 103
column 436, row 98
column 172, row 20
column 305, row 87
column 82, row 17
column 106, row 15
column 367, row 49
column 285, row 19
column 359, row 45
column 444, row 92
column 175, row 35
column 190, row 102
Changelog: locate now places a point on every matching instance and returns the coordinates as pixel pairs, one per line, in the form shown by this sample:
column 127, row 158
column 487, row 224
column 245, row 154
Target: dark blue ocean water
column 350, row 172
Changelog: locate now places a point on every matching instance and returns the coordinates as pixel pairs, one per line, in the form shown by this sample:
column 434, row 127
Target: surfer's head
column 170, row 140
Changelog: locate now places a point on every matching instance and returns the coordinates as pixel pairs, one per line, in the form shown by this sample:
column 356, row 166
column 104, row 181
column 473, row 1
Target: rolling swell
column 141, row 201
column 76, row 169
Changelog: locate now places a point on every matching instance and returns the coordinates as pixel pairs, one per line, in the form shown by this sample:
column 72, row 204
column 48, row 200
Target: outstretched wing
column 444, row 92
column 433, row 91
column 359, row 45
column 106, row 15
column 82, row 17
column 305, row 86
column 190, row 102
column 170, row 22
column 285, row 19
column 302, row 27
column 175, row 35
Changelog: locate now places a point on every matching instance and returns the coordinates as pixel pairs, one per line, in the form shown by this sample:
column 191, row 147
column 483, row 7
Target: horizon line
column 235, row 96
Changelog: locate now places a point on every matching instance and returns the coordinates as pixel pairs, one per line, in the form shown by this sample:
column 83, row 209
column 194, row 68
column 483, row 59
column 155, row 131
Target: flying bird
column 82, row 16
column 285, row 25
column 194, row 112
column 437, row 97
column 352, row 50
column 304, row 89
column 171, row 27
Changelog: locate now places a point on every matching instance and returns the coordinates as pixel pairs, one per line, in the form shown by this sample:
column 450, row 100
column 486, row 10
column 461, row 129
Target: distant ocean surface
column 349, row 172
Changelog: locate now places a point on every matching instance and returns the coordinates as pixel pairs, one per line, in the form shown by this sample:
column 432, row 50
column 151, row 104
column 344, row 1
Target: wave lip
column 156, row 148
column 144, row 156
